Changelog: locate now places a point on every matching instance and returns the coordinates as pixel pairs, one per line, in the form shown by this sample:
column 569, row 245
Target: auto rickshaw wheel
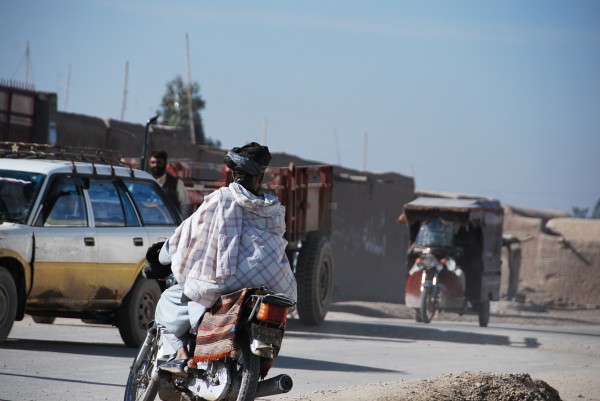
column 483, row 310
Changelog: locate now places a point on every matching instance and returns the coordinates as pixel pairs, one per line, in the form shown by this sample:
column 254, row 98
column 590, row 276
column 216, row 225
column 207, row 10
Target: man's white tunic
column 234, row 240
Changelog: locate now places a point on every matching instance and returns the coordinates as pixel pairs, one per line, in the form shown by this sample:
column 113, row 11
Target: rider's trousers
column 178, row 315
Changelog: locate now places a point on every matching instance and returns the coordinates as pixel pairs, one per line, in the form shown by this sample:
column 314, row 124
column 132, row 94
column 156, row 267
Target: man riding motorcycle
column 234, row 240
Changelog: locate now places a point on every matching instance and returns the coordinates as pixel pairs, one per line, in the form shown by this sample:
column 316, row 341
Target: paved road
column 73, row 361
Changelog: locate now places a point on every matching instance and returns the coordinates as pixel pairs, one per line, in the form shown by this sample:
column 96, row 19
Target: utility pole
column 337, row 146
column 68, row 88
column 150, row 121
column 364, row 167
column 189, row 92
column 125, row 91
column 27, row 61
column 264, row 132
column 26, row 84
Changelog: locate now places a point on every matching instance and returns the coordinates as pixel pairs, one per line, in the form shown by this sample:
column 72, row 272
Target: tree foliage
column 580, row 212
column 584, row 212
column 174, row 109
column 596, row 211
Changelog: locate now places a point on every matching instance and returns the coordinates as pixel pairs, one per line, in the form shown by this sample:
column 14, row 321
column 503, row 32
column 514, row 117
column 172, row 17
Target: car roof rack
column 23, row 150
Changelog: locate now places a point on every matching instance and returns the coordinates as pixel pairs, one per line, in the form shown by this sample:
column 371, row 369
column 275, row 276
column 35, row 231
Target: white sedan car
column 73, row 240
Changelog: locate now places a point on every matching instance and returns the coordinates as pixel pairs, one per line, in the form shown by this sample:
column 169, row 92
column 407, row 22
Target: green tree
column 174, row 109
column 580, row 212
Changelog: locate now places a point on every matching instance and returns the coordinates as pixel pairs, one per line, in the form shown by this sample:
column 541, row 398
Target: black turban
column 251, row 159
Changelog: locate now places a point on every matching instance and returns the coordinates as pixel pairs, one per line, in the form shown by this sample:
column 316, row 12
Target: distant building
column 26, row 115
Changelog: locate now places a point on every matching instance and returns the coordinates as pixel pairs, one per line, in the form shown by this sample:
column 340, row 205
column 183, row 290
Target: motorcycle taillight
column 272, row 313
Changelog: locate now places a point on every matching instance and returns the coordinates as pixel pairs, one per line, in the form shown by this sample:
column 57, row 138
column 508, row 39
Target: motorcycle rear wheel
column 246, row 371
column 140, row 386
column 428, row 304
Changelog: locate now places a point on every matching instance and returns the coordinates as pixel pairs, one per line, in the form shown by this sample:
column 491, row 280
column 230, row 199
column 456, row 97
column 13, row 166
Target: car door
column 120, row 208
column 65, row 247
column 121, row 240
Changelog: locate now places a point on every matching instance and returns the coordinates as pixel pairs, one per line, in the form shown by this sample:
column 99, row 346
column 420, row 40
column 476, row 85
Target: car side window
column 107, row 208
column 131, row 217
column 64, row 206
column 149, row 203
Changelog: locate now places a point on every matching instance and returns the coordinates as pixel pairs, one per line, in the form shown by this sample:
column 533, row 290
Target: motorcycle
column 255, row 337
column 434, row 271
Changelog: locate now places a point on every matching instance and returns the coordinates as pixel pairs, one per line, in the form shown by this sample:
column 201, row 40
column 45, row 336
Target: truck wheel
column 136, row 313
column 315, row 279
column 8, row 303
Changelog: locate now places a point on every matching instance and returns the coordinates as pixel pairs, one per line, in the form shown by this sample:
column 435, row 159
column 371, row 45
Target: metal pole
column 189, row 92
column 145, row 149
column 364, row 167
column 125, row 91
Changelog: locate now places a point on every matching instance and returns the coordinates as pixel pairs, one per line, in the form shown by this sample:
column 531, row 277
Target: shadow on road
column 395, row 333
column 70, row 347
column 505, row 313
column 60, row 379
column 290, row 362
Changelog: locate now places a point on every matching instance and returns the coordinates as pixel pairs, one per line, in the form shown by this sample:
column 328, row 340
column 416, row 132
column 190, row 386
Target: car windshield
column 18, row 190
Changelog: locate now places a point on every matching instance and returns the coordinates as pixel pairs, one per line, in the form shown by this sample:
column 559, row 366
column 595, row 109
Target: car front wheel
column 136, row 313
column 8, row 303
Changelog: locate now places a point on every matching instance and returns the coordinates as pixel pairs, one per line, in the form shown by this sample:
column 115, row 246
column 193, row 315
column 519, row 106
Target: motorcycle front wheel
column 140, row 386
column 428, row 304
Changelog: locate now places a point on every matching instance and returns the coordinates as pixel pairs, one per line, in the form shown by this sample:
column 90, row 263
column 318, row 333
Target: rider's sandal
column 175, row 367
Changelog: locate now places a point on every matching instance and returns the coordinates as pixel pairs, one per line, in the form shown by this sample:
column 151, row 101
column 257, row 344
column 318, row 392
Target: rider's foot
column 175, row 367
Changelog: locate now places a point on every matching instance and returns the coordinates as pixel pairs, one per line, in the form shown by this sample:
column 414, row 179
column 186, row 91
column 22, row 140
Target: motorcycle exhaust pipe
column 275, row 385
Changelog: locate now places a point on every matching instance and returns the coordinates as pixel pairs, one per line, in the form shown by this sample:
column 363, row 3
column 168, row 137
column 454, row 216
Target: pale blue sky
column 500, row 99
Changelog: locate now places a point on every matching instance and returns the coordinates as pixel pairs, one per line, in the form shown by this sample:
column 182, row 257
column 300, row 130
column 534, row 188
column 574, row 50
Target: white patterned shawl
column 234, row 240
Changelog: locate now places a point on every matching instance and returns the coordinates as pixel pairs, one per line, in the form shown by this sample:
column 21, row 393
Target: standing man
column 171, row 184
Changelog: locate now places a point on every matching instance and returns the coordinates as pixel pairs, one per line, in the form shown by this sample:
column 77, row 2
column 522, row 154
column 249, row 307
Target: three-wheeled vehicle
column 454, row 256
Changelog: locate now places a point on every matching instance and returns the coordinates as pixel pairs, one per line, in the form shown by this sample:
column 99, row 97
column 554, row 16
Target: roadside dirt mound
column 465, row 386
column 470, row 386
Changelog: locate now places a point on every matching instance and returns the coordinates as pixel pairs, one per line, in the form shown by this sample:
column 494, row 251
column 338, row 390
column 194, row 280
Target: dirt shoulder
column 462, row 386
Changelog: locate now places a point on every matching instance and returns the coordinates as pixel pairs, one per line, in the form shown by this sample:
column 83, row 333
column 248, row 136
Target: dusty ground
column 460, row 386
column 464, row 386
